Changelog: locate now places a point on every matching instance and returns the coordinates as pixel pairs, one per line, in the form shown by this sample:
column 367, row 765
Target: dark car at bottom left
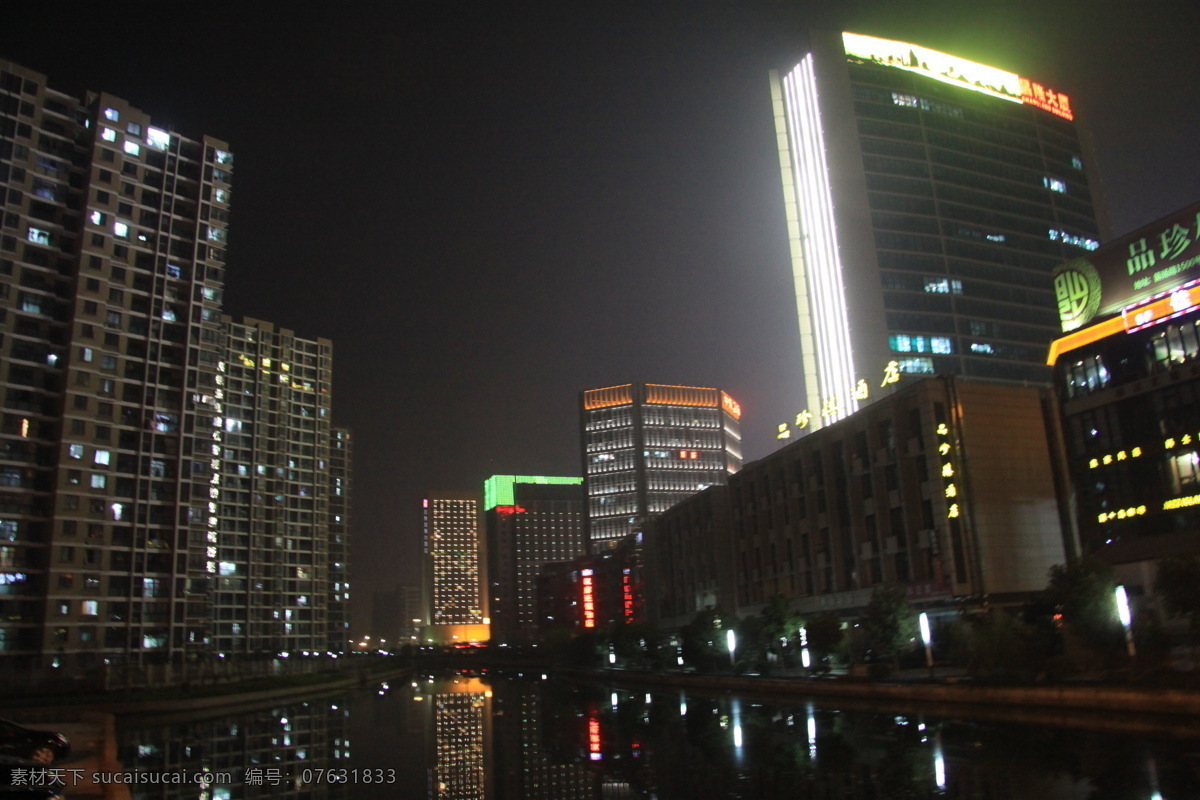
column 22, row 779
column 42, row 747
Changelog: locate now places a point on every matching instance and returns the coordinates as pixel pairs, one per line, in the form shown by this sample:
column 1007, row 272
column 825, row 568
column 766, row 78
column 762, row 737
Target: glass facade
column 951, row 207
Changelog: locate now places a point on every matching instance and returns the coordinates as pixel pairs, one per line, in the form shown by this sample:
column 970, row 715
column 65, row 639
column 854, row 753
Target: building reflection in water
column 527, row 738
column 460, row 717
column 292, row 751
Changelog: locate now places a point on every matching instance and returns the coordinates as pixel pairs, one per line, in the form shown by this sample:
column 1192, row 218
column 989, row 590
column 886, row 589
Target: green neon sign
column 498, row 489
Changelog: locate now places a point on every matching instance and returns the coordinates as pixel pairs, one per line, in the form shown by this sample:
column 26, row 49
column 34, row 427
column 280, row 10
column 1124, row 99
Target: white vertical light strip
column 819, row 265
column 808, row 356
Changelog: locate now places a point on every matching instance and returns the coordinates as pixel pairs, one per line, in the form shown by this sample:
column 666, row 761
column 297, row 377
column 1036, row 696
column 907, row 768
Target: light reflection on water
column 484, row 738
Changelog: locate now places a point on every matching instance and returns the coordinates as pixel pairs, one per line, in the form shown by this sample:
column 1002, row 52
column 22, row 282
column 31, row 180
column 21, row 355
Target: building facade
column 454, row 567
column 946, row 488
column 341, row 485
column 112, row 259
column 1128, row 378
column 646, row 446
column 928, row 200
column 273, row 554
column 530, row 521
column 136, row 499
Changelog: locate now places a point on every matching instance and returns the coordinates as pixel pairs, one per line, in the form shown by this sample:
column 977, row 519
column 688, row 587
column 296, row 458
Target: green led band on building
column 498, row 489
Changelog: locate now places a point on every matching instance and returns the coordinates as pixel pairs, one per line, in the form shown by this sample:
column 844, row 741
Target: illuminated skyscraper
column 453, row 564
column 646, row 446
column 531, row 521
column 928, row 200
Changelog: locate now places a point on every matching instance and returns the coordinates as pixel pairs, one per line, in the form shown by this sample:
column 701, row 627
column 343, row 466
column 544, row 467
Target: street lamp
column 927, row 638
column 1126, row 619
column 731, row 643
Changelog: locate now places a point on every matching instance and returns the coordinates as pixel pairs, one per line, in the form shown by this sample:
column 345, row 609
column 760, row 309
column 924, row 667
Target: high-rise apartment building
column 530, row 521
column 112, row 264
column 646, row 446
column 341, row 455
column 273, row 553
column 929, row 199
column 165, row 472
column 453, row 574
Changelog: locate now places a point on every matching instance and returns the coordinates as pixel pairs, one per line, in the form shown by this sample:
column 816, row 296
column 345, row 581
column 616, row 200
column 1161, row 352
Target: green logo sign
column 1077, row 290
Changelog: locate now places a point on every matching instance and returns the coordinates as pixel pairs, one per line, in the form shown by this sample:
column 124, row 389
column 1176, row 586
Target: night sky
column 491, row 206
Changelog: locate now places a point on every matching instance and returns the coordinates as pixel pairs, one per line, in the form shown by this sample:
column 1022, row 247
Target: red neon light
column 589, row 608
column 506, row 510
column 1046, row 99
column 594, row 738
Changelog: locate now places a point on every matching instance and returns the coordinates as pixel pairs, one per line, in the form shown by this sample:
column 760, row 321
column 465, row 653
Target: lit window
column 221, row 195
column 1076, row 162
column 111, row 114
column 75, row 450
column 89, row 608
column 99, row 481
column 1055, row 185
column 97, row 218
column 108, row 134
column 134, row 128
column 132, row 148
column 224, row 157
column 102, row 457
column 157, row 138
column 38, row 236
column 942, row 345
column 121, row 229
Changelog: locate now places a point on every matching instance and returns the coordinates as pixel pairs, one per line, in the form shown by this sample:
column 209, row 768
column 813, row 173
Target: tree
column 889, row 623
column 824, row 630
column 779, row 624
column 1082, row 592
column 1178, row 586
column 703, row 643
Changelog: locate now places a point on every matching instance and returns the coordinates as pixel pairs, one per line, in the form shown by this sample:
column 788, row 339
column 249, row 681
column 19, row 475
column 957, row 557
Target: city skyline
column 530, row 200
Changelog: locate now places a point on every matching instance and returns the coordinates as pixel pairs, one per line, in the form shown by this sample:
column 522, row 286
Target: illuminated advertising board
column 956, row 72
column 1149, row 262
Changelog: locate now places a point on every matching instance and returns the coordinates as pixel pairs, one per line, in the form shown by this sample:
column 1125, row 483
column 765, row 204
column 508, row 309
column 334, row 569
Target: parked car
column 43, row 747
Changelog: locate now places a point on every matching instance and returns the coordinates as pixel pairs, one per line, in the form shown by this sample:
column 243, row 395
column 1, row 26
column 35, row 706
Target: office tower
column 928, row 200
column 530, row 521
column 646, row 446
column 112, row 263
column 341, row 455
column 273, row 551
column 453, row 566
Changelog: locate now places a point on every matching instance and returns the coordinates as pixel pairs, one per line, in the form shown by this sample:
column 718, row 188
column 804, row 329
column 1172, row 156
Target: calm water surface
column 471, row 737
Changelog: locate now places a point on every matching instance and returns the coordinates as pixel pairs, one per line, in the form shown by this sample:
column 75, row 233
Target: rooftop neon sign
column 498, row 489
column 956, row 72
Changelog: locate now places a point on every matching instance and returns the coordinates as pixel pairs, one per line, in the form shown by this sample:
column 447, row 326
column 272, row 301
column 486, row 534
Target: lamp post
column 1126, row 619
column 928, row 639
column 731, row 643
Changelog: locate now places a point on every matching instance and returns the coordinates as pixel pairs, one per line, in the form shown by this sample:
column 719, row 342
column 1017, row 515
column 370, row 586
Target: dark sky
column 490, row 206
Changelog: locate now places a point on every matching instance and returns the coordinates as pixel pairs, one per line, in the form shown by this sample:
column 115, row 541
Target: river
column 525, row 737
